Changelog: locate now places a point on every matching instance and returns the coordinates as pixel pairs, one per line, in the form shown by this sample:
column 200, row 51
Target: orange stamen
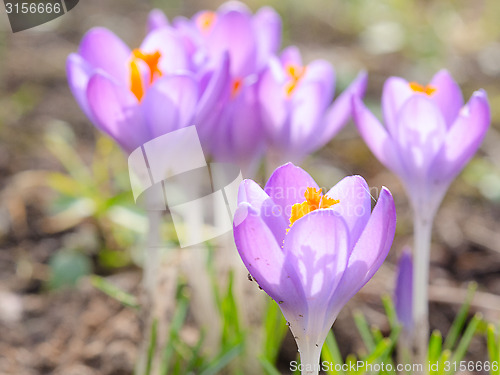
column 236, row 87
column 427, row 90
column 151, row 60
column 314, row 200
column 136, row 81
column 295, row 74
column 205, row 21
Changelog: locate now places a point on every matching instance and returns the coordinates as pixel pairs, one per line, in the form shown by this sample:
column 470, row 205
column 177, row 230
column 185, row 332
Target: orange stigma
column 314, row 200
column 151, row 60
column 236, row 87
column 295, row 74
column 205, row 21
column 427, row 90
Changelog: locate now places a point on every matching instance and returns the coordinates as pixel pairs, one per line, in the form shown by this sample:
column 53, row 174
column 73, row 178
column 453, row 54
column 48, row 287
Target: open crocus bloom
column 296, row 105
column 312, row 252
column 137, row 95
column 429, row 134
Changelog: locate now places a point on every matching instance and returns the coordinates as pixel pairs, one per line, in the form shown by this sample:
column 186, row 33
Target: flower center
column 151, row 60
column 427, row 90
column 236, row 87
column 295, row 73
column 314, row 200
column 205, row 21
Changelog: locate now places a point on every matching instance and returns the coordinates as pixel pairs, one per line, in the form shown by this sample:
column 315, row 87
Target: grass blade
column 331, row 353
column 459, row 321
column 364, row 330
column 218, row 364
column 268, row 367
column 464, row 343
column 114, row 292
column 435, row 347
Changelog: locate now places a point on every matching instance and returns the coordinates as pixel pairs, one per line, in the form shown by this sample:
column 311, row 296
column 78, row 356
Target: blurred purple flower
column 249, row 41
column 312, row 252
column 135, row 96
column 403, row 293
column 429, row 134
column 296, row 105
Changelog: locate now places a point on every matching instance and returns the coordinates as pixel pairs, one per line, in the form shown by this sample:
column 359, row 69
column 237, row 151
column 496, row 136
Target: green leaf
column 67, row 267
column 493, row 346
column 364, row 330
column 460, row 319
column 114, row 292
column 268, row 367
column 390, row 311
column 275, row 329
column 222, row 361
column 175, row 327
column 435, row 347
column 331, row 353
column 151, row 346
column 464, row 343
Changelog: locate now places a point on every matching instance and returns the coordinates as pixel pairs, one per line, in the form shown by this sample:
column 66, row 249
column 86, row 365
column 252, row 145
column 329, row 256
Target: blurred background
column 66, row 210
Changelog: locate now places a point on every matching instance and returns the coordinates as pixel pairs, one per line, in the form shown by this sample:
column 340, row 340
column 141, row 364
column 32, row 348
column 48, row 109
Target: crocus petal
column 239, row 132
column 370, row 251
column 262, row 255
column 287, row 186
column 79, row 73
column 171, row 47
column 316, row 247
column 355, row 204
column 273, row 105
column 116, row 112
column 322, row 71
column 156, row 20
column 421, row 131
column 376, row 137
column 395, row 93
column 447, row 96
column 463, row 139
column 267, row 26
column 341, row 110
column 170, row 103
column 291, row 55
column 214, row 90
column 233, row 32
column 270, row 213
column 104, row 50
column 306, row 111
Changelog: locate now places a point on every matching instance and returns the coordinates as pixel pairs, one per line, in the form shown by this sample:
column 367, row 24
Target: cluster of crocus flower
column 218, row 71
column 311, row 252
column 222, row 71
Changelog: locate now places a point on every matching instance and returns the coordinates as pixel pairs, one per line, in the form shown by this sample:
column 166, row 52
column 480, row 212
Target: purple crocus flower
column 137, row 95
column 428, row 138
column 249, row 40
column 312, row 252
column 403, row 291
column 429, row 134
column 295, row 103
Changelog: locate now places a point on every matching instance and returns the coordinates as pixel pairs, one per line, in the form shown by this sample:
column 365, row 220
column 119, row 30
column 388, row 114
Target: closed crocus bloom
column 311, row 252
column 403, row 291
column 296, row 105
column 429, row 137
column 136, row 95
